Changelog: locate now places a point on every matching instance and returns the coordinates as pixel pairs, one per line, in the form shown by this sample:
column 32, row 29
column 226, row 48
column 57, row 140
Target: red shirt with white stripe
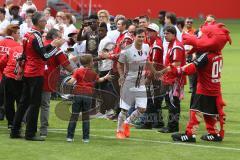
column 52, row 70
column 176, row 53
column 36, row 53
column 156, row 53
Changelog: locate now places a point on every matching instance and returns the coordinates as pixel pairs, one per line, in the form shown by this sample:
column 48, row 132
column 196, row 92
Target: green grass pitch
column 143, row 144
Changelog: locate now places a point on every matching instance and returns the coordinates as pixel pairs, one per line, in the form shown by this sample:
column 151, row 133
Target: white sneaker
column 85, row 140
column 109, row 112
column 99, row 115
column 70, row 140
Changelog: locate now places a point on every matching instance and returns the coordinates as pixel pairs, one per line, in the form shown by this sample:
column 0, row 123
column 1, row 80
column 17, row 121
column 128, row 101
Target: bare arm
column 71, row 81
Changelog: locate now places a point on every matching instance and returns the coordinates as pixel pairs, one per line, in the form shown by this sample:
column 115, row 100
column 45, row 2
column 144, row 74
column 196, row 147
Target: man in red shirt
column 153, row 112
column 35, row 53
column 175, row 56
column 51, row 75
column 12, row 85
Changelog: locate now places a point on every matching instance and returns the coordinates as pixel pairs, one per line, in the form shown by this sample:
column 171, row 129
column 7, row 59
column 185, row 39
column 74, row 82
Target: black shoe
column 180, row 137
column 10, row 127
column 15, row 136
column 144, row 126
column 167, row 130
column 34, row 138
column 158, row 126
column 1, row 115
column 212, row 137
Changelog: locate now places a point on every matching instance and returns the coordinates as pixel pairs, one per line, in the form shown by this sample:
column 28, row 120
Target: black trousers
column 194, row 87
column 107, row 94
column 154, row 105
column 1, row 100
column 31, row 98
column 173, row 112
column 12, row 94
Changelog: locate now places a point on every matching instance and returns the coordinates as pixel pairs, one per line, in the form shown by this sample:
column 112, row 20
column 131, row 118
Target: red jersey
column 209, row 68
column 176, row 53
column 52, row 70
column 86, row 79
column 5, row 46
column 156, row 53
column 122, row 41
column 14, row 53
column 36, row 53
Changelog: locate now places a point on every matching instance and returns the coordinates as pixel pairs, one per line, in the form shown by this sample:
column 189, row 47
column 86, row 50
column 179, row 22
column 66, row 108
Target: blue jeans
column 81, row 103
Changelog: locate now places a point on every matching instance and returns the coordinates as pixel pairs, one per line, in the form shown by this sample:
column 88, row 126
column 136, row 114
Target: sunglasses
column 190, row 22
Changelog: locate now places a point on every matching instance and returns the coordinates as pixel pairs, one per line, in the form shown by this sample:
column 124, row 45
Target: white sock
column 134, row 116
column 121, row 118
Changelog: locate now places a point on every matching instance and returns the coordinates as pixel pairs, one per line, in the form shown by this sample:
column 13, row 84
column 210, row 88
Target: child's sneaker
column 69, row 139
column 85, row 140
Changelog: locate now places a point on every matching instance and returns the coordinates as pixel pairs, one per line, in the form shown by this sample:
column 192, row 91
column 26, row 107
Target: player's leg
column 213, row 134
column 192, row 126
column 140, row 105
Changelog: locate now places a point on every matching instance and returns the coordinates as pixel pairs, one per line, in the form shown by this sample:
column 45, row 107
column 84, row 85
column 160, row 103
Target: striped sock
column 134, row 116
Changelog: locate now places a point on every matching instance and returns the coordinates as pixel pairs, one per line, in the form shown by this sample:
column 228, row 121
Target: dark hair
column 124, row 21
column 36, row 17
column 139, row 31
column 145, row 16
column 172, row 17
column 162, row 13
column 170, row 29
column 2, row 10
column 93, row 16
column 181, row 21
column 30, row 10
column 52, row 33
column 103, row 25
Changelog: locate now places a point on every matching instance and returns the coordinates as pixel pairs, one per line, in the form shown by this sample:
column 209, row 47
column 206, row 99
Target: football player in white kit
column 131, row 67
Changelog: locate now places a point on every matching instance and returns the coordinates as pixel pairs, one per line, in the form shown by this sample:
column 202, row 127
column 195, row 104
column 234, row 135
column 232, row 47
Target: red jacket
column 36, row 53
column 52, row 70
column 156, row 53
column 123, row 40
column 11, row 61
column 5, row 46
column 176, row 52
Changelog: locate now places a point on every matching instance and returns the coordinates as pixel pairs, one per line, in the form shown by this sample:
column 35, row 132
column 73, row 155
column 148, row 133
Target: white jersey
column 135, row 61
column 104, row 65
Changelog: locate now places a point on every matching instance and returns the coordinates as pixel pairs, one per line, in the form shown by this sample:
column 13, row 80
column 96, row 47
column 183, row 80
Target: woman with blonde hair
column 103, row 16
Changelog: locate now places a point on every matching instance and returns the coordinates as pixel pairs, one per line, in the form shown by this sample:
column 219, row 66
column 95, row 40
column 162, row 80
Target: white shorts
column 133, row 97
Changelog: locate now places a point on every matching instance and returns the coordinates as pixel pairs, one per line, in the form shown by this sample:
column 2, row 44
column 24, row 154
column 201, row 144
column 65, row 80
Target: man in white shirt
column 104, row 67
column 131, row 67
